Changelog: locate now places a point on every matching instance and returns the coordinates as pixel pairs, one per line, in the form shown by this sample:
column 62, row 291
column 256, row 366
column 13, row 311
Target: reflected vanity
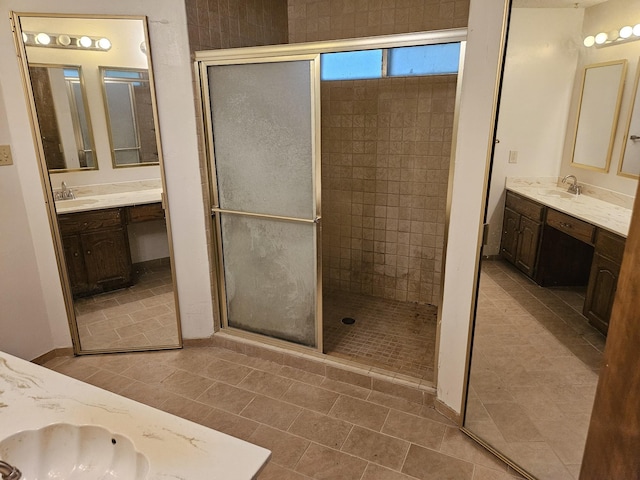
column 629, row 165
column 91, row 85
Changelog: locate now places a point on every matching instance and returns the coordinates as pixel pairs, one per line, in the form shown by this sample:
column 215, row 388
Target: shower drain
column 348, row 320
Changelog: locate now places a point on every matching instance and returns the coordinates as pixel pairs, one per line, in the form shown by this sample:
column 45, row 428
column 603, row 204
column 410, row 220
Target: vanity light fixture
column 614, row 37
column 62, row 40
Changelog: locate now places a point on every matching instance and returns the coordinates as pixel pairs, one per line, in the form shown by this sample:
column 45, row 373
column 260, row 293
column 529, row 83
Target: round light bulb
column 613, row 35
column 589, row 41
column 601, row 38
column 143, row 47
column 43, row 39
column 636, row 30
column 626, row 32
column 85, row 42
column 64, row 40
column 25, row 39
column 104, row 43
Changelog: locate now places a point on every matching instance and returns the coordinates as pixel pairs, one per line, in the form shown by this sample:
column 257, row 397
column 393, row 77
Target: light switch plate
column 5, row 155
column 513, row 156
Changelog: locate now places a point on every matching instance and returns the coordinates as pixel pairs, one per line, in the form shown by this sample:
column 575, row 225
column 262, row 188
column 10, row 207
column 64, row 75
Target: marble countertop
column 593, row 210
column 32, row 397
column 108, row 200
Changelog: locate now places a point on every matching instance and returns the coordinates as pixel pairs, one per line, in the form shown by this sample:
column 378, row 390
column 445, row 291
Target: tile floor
column 397, row 336
column 142, row 315
column 534, row 372
column 316, row 427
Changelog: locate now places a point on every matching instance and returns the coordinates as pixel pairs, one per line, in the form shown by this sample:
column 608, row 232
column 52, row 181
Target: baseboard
column 56, row 352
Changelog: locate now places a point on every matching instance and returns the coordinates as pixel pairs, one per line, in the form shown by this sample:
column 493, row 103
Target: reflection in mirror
column 630, row 162
column 130, row 116
column 598, row 113
column 114, row 234
column 65, row 127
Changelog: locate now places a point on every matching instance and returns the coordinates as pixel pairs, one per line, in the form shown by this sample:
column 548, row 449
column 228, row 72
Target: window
column 441, row 59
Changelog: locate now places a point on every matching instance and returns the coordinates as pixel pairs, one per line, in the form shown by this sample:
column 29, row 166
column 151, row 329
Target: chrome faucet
column 8, row 472
column 65, row 193
column 573, row 187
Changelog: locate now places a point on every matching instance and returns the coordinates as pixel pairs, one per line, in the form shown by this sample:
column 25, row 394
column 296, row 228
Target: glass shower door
column 264, row 122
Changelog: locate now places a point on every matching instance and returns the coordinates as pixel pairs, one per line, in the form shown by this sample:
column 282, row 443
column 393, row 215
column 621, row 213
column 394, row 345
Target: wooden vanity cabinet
column 96, row 247
column 603, row 278
column 521, row 230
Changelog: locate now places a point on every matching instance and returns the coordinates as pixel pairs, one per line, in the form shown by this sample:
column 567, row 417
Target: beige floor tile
column 391, row 401
column 376, row 472
column 321, row 429
column 484, row 473
column 185, row 408
column 187, row 384
column 286, row 449
column 359, row 412
column 273, row 471
column 513, row 422
column 149, row 372
column 76, row 370
column 224, row 371
column 376, row 447
column 271, row 412
column 265, row 383
column 147, row 394
column 230, row 424
column 307, row 396
column 226, row 397
column 457, row 444
column 414, row 429
column 300, row 375
column 345, row 388
column 109, row 381
column 427, row 464
column 324, row 463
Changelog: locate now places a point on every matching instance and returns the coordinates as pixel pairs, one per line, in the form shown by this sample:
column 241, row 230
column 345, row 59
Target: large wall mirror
column 599, row 109
column 91, row 88
column 629, row 165
column 536, row 354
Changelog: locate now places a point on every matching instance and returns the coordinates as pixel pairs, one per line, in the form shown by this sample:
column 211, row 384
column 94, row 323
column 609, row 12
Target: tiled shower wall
column 385, row 165
column 311, row 20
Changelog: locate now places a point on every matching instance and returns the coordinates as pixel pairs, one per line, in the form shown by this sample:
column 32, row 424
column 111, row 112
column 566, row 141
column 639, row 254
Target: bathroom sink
column 76, row 202
column 73, row 452
column 551, row 192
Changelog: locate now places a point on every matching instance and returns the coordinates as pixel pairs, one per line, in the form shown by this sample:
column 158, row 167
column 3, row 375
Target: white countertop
column 584, row 207
column 32, row 397
column 109, row 200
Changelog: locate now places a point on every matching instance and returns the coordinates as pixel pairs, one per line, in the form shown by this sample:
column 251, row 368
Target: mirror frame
column 47, row 188
column 635, row 99
column 616, row 114
column 87, row 114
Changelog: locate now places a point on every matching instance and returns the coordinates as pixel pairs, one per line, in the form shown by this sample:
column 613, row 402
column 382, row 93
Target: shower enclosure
column 273, row 115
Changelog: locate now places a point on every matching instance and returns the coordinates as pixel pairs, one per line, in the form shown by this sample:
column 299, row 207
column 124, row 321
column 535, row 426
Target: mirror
column 599, row 108
column 534, row 356
column 630, row 162
column 65, row 126
column 90, row 80
column 130, row 116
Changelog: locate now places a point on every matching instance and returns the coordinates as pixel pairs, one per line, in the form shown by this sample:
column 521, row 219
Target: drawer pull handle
column 75, row 254
column 565, row 225
column 88, row 252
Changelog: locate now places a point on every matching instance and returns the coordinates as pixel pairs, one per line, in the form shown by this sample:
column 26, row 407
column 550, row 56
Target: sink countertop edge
column 34, row 397
column 618, row 224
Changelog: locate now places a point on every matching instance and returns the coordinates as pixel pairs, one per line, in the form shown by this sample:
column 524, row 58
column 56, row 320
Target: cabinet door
column 106, row 254
column 601, row 292
column 76, row 270
column 527, row 251
column 510, row 233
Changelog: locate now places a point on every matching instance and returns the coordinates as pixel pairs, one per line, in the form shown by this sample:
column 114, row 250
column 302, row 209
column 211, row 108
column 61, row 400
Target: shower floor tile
column 396, row 336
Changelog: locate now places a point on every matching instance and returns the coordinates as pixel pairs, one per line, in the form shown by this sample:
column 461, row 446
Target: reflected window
column 351, row 65
column 128, row 99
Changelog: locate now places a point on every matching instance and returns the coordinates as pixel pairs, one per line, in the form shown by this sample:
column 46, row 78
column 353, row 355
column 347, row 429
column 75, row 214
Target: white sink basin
column 72, row 452
column 551, row 192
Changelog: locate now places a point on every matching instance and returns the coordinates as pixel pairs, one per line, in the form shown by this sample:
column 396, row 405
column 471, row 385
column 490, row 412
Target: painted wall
column 604, row 18
column 534, row 107
column 169, row 44
column 23, row 306
column 474, row 137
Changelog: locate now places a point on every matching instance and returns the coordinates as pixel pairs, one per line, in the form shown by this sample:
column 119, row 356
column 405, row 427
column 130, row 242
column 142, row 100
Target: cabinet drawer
column 571, row 226
column 71, row 223
column 524, row 206
column 610, row 245
column 144, row 213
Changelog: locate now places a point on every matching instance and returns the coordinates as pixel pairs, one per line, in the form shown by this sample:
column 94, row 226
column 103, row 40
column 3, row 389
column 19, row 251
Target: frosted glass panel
column 262, row 129
column 270, row 276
